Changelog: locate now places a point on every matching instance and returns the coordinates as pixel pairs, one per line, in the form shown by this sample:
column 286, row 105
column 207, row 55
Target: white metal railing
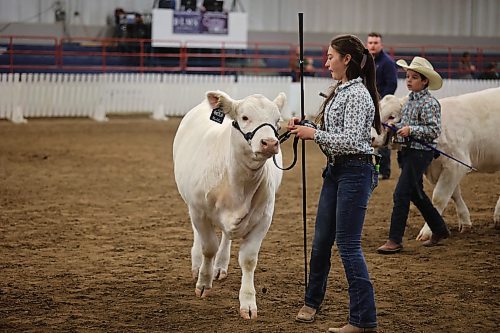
column 34, row 95
column 452, row 87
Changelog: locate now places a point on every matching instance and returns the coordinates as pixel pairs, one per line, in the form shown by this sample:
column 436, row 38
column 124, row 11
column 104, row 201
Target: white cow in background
column 229, row 181
column 471, row 134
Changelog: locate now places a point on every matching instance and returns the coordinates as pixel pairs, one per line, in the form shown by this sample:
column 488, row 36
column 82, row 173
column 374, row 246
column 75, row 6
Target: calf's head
column 255, row 121
column 390, row 111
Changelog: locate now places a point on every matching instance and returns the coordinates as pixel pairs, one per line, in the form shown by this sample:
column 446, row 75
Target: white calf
column 470, row 133
column 225, row 175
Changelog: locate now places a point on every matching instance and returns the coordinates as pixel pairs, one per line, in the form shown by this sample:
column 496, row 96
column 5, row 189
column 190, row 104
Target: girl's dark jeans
column 340, row 217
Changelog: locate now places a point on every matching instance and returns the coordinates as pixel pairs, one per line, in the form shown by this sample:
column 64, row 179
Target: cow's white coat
column 470, row 133
column 228, row 183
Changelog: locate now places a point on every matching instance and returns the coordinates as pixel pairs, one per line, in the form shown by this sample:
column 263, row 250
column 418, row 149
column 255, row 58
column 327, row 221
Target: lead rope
column 436, row 151
column 285, row 136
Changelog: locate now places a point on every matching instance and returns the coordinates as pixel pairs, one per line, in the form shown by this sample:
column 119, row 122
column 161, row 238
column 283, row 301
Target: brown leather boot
column 435, row 238
column 306, row 314
column 390, row 247
column 352, row 329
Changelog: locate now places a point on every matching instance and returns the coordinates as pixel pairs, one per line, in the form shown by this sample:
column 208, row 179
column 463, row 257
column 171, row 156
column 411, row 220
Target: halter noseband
column 249, row 135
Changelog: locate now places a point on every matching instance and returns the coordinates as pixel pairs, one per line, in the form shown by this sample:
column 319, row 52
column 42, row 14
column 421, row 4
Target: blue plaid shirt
column 422, row 112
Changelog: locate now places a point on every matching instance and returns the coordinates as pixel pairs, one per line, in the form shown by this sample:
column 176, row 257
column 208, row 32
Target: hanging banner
column 214, row 23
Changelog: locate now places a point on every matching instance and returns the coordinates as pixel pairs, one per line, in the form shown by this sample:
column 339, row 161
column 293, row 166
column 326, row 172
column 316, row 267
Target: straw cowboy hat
column 422, row 66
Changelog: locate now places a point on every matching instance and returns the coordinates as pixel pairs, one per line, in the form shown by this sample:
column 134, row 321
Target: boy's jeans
column 413, row 163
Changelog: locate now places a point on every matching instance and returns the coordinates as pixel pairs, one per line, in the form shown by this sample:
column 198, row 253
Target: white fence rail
column 453, row 87
column 95, row 95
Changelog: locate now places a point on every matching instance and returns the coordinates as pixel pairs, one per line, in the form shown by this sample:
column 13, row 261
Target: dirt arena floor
column 95, row 238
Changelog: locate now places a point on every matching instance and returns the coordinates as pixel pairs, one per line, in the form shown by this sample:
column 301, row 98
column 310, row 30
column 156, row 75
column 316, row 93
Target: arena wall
column 35, row 95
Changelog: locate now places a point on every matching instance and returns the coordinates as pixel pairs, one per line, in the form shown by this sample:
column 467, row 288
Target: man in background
column 295, row 66
column 387, row 83
column 466, row 69
column 490, row 72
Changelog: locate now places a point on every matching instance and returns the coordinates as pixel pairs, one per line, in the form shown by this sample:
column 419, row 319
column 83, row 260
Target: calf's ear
column 219, row 99
column 280, row 100
column 403, row 100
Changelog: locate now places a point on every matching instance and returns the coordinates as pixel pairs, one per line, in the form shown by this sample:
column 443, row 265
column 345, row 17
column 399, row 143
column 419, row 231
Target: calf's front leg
column 222, row 258
column 446, row 185
column 206, row 238
column 248, row 256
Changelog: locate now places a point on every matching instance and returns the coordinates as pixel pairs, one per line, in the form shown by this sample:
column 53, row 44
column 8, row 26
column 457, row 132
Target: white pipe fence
column 453, row 87
column 34, row 95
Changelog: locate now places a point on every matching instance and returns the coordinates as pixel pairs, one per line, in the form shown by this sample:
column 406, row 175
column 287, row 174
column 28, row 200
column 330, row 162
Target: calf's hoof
column 465, row 229
column 194, row 274
column 422, row 237
column 247, row 313
column 220, row 274
column 203, row 292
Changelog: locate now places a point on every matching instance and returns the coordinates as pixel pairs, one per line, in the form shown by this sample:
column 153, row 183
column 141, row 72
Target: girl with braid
column 343, row 134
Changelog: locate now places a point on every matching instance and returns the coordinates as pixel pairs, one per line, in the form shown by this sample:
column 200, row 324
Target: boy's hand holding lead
column 404, row 131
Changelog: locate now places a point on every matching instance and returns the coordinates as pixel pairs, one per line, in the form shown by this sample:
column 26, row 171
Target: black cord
column 303, row 161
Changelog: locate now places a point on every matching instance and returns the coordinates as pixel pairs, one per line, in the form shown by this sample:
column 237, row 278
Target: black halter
column 249, row 135
column 281, row 138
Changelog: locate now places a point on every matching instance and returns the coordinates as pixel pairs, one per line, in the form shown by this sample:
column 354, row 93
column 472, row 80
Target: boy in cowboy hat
column 420, row 119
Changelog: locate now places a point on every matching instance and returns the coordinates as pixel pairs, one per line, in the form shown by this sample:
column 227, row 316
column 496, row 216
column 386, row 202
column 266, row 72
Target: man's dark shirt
column 386, row 74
